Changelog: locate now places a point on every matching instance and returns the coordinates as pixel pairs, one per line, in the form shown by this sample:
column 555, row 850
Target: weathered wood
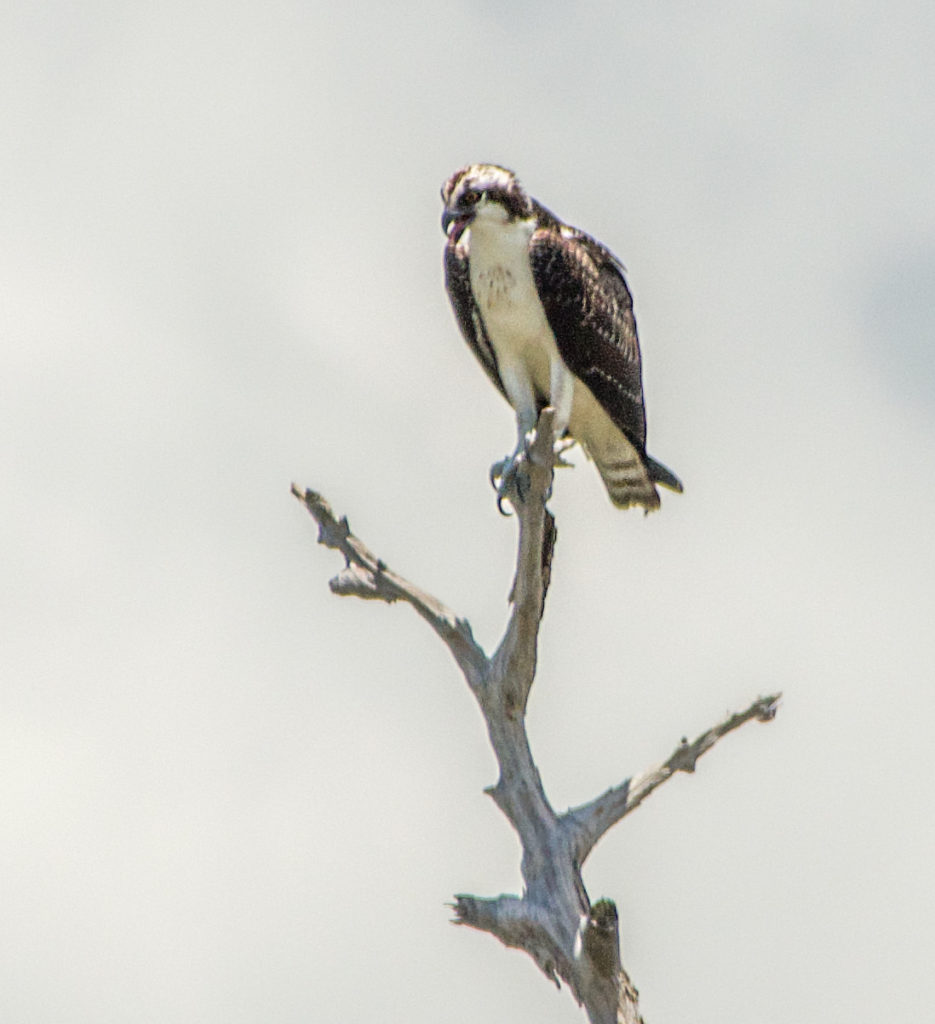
column 553, row 920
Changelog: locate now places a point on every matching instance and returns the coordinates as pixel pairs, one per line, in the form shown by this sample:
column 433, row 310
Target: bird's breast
column 495, row 289
column 504, row 289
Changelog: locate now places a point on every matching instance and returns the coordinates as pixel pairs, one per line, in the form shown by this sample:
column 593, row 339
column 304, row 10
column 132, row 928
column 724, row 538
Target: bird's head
column 482, row 190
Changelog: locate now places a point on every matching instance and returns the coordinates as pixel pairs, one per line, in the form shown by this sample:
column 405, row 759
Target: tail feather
column 628, row 483
column 629, row 474
column 660, row 475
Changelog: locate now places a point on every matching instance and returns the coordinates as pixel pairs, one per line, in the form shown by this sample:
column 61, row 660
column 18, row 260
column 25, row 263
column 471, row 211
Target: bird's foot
column 561, row 446
column 510, row 476
column 510, row 479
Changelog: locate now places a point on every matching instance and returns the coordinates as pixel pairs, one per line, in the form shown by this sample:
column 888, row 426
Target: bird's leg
column 509, row 476
column 562, row 390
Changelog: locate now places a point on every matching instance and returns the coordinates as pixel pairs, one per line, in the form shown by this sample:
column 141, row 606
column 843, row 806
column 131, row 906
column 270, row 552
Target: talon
column 499, row 481
column 558, row 451
column 510, row 480
column 497, row 470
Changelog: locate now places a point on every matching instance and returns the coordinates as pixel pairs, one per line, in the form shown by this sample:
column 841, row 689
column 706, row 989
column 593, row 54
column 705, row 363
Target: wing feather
column 589, row 307
column 458, row 286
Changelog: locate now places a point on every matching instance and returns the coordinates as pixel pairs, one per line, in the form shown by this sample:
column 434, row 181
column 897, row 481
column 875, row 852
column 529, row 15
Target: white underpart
column 528, row 358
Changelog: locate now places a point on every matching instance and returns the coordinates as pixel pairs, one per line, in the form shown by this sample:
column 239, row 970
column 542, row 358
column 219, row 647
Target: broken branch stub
column 553, row 921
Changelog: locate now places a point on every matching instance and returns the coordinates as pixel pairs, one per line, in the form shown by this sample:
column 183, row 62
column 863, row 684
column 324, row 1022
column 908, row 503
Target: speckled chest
column 506, row 294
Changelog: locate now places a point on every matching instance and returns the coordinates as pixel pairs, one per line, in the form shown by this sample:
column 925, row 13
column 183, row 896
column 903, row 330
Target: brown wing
column 590, row 310
column 458, row 286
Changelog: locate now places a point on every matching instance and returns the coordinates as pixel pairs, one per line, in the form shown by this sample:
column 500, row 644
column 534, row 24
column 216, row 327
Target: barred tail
column 628, row 482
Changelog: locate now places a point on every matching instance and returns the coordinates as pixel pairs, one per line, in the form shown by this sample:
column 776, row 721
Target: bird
column 548, row 313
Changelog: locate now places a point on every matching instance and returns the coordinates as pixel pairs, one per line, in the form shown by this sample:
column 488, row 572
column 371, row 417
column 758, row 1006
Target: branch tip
column 590, row 821
column 767, row 707
column 464, row 909
column 368, row 577
column 601, row 938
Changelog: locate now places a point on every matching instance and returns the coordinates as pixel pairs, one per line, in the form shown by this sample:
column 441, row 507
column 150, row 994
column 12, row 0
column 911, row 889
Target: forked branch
column 553, row 921
column 368, row 577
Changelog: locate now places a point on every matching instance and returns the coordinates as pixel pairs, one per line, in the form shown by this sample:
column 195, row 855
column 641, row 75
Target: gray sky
column 228, row 797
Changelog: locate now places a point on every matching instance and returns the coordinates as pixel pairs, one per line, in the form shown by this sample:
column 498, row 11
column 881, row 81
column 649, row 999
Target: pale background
column 228, row 797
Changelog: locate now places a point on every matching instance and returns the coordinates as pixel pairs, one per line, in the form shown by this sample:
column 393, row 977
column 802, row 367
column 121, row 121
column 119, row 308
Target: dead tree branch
column 553, row 920
column 367, row 576
column 590, row 821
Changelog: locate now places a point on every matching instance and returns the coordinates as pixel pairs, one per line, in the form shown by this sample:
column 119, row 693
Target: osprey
column 547, row 311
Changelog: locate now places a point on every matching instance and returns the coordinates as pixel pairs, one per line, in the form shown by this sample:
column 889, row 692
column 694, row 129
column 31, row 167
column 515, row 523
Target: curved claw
column 498, row 475
column 508, row 478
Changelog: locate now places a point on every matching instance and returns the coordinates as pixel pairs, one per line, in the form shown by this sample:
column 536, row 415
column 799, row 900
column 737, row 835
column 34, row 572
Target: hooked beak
column 460, row 218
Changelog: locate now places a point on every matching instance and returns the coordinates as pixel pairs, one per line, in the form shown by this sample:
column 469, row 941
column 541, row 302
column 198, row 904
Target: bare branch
column 367, row 576
column 588, row 822
column 553, row 921
column 514, row 661
column 516, row 923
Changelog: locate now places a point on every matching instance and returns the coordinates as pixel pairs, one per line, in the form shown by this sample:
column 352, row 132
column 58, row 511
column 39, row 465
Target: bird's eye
column 470, row 196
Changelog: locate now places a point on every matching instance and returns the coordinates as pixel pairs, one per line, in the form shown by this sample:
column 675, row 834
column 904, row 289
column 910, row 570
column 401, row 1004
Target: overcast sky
column 229, row 797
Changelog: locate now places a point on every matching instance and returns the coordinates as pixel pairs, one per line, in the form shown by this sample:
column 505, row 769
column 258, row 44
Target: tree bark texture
column 553, row 920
